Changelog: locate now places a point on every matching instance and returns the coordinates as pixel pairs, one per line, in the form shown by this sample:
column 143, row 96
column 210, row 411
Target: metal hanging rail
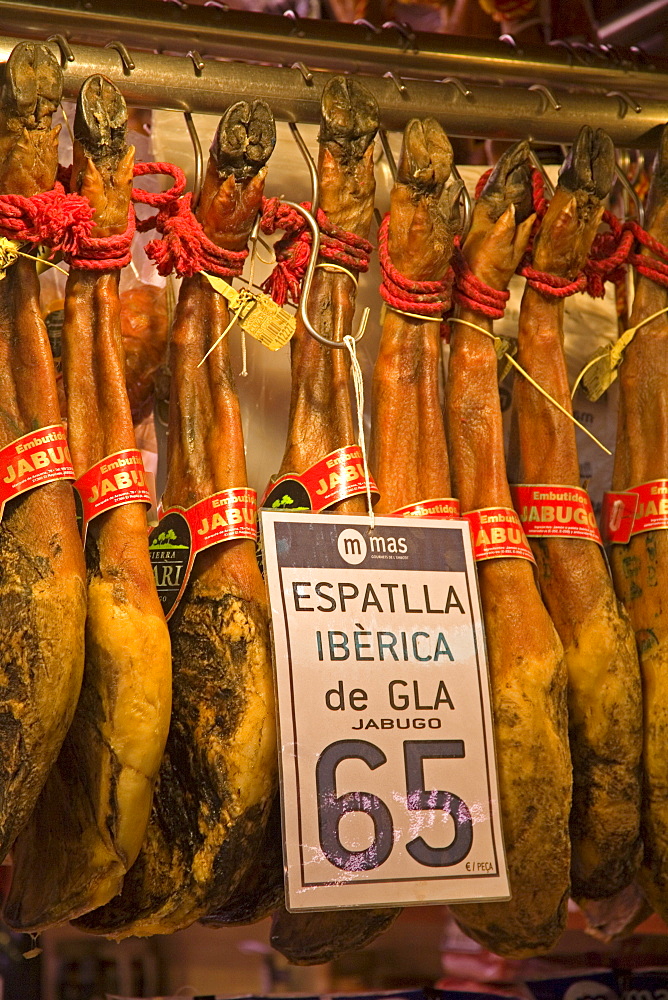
column 213, row 30
column 189, row 83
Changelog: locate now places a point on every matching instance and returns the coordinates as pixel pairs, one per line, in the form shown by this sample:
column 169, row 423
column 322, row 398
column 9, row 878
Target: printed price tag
column 183, row 532
column 445, row 507
column 117, row 480
column 642, row 508
column 555, row 512
column 388, row 772
column 33, row 460
column 497, row 534
column 335, row 477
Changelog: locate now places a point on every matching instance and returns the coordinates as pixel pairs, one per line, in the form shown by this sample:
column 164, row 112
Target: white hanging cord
column 358, row 382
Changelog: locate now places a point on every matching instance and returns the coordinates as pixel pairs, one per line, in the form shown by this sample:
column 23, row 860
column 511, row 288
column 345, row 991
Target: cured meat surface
column 640, row 569
column 605, row 709
column 321, row 421
column 42, row 571
column 145, row 328
column 526, row 662
column 218, row 776
column 91, row 817
column 409, row 457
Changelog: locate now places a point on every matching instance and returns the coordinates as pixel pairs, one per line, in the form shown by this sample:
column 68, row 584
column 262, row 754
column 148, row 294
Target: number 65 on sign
column 388, row 775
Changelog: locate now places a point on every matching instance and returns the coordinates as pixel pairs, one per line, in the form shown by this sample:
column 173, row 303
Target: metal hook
column 397, row 81
column 305, row 72
column 632, row 193
column 466, row 202
column 177, row 3
column 291, row 14
column 126, row 58
column 389, row 156
column 508, row 39
column 585, row 52
column 404, row 30
column 198, row 62
column 217, row 4
column 611, row 53
column 302, row 311
column 561, row 44
column 626, row 98
column 199, row 159
column 363, row 23
column 639, row 55
column 464, row 91
column 66, row 53
column 549, row 186
column 312, row 169
column 547, row 93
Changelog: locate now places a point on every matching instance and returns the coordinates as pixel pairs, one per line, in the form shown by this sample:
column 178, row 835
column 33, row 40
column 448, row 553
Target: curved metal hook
column 509, row 40
column 199, row 159
column 559, row 43
column 632, row 193
column 312, row 169
column 197, row 60
column 464, row 91
column 397, row 81
column 363, row 23
column 126, row 58
column 549, row 186
column 466, row 202
column 626, row 98
column 217, row 4
column 403, row 29
column 547, row 94
column 302, row 311
column 389, row 155
column 66, row 53
column 305, row 72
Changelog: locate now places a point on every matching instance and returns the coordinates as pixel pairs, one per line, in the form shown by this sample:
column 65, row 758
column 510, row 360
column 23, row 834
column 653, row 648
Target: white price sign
column 387, row 757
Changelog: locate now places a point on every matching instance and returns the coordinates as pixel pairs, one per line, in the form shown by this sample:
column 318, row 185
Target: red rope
column 649, row 267
column 292, row 251
column 472, row 293
column 53, row 218
column 431, row 299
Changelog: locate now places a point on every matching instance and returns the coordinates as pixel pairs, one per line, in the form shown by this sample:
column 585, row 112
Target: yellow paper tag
column 601, row 370
column 258, row 314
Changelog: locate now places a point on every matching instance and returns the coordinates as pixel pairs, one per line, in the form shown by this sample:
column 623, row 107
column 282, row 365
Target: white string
column 358, row 382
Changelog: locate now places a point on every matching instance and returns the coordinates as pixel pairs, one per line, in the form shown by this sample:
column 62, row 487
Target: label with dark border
column 114, row 481
column 641, row 508
column 335, row 477
column 37, row 458
column 445, row 507
column 555, row 512
column 182, row 533
column 497, row 534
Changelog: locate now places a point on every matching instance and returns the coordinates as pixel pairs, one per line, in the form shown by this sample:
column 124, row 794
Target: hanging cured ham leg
column 605, row 713
column 218, row 775
column 91, row 817
column 321, row 421
column 409, row 457
column 640, row 567
column 527, row 669
column 42, row 572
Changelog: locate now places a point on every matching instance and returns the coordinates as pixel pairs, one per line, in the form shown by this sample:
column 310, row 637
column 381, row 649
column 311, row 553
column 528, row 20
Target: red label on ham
column 444, row 508
column 116, row 480
column 497, row 534
column 37, row 458
column 335, row 477
column 555, row 512
column 642, row 508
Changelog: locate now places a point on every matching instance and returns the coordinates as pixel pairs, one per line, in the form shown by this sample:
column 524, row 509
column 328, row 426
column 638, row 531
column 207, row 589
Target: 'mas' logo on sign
column 352, row 546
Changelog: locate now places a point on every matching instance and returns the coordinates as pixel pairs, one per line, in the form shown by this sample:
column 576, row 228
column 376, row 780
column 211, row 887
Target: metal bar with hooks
column 214, row 30
column 174, row 83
